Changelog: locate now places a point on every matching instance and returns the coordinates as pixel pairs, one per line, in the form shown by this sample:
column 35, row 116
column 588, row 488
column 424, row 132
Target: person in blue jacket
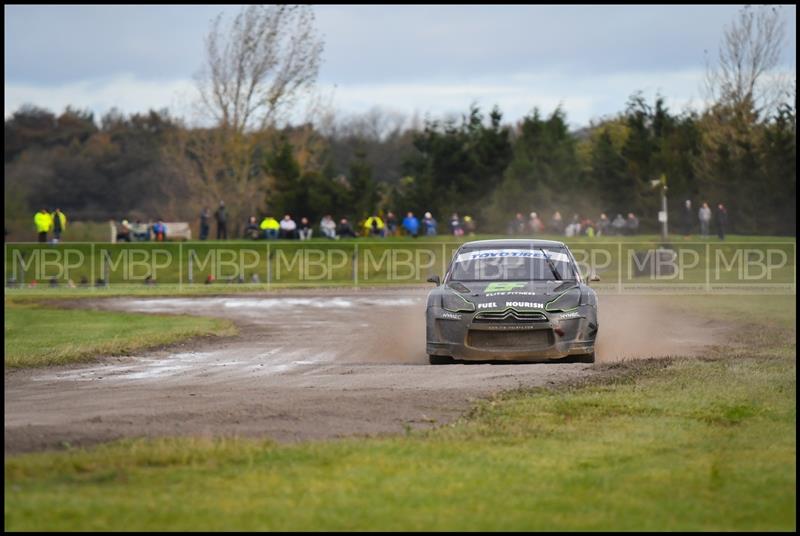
column 411, row 224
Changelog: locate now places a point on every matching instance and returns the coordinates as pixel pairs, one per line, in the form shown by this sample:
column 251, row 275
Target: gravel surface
column 307, row 365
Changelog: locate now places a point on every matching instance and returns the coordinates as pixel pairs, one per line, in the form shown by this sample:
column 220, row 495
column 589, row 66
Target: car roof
column 511, row 243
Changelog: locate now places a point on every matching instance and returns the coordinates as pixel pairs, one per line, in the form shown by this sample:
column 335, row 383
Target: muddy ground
column 307, row 365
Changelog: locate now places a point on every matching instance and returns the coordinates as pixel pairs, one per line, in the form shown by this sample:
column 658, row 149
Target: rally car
column 511, row 300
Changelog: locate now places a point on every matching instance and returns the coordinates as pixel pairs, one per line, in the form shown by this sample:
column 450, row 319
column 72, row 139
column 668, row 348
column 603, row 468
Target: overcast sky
column 425, row 59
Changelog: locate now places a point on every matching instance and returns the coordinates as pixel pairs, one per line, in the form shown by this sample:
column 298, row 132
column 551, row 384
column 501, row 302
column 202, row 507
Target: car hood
column 536, row 291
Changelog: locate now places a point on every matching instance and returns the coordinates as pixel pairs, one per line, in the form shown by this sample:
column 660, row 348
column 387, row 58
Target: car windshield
column 512, row 264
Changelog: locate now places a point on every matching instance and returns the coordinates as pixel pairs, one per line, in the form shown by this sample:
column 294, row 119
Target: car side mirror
column 434, row 279
column 594, row 277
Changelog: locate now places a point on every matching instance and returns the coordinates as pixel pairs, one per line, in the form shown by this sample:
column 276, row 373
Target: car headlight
column 566, row 301
column 456, row 303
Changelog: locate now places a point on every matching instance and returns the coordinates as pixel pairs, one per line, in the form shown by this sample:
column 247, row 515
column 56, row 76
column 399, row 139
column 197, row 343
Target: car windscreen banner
column 511, row 264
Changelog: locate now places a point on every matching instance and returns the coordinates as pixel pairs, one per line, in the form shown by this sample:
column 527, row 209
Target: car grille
column 510, row 316
column 520, row 340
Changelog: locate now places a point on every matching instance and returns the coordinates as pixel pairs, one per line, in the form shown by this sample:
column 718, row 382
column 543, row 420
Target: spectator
column 270, row 227
column 124, row 232
column 455, row 225
column 517, row 225
column 688, row 217
column 288, row 227
column 722, row 221
column 602, row 224
column 618, row 225
column 373, row 226
column 328, row 227
column 556, row 223
column 587, row 227
column 140, row 231
column 535, row 224
column 704, row 215
column 305, row 229
column 159, row 231
column 469, row 225
column 429, row 224
column 252, row 231
column 59, row 224
column 222, row 221
column 574, row 227
column 411, row 224
column 205, row 226
column 43, row 221
column 345, row 229
column 391, row 224
column 632, row 225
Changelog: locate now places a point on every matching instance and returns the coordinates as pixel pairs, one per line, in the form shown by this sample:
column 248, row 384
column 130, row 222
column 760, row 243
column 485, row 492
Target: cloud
column 582, row 98
column 423, row 58
column 126, row 93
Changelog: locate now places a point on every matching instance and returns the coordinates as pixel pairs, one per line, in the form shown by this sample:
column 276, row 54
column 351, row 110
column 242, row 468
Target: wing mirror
column 434, row 279
column 594, row 277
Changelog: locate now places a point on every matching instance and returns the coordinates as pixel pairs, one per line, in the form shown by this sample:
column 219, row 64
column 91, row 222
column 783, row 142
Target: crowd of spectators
column 141, row 232
column 376, row 226
column 620, row 225
column 379, row 225
column 577, row 226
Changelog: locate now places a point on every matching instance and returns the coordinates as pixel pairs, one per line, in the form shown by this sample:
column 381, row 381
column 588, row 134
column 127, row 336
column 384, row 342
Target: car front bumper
column 560, row 335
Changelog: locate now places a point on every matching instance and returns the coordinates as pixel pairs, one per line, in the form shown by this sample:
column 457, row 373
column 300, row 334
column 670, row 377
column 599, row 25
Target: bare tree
column 749, row 54
column 257, row 65
column 255, row 70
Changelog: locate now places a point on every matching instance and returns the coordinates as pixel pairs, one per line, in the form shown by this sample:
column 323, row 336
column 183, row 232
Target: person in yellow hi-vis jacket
column 59, row 224
column 269, row 227
column 43, row 222
column 373, row 226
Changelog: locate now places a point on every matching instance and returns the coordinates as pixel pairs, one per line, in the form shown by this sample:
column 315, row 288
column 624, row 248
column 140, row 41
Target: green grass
column 682, row 444
column 37, row 336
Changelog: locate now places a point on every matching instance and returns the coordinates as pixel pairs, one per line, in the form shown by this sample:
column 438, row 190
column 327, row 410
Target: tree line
column 151, row 165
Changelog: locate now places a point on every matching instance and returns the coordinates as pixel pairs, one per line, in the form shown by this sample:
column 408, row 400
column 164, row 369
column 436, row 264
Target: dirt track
column 307, row 365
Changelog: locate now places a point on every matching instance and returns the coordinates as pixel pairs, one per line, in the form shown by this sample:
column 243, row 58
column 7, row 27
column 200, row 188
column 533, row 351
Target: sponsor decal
column 515, row 293
column 503, row 287
column 566, row 316
column 451, row 316
column 487, row 305
column 532, row 305
column 511, row 253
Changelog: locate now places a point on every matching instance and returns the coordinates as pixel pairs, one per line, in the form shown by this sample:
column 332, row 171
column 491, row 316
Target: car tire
column 585, row 358
column 439, row 359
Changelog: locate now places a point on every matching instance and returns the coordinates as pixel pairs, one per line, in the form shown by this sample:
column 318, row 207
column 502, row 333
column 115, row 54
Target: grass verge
column 681, row 444
column 37, row 336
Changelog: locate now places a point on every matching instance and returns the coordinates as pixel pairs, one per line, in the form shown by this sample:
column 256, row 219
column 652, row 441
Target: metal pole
column 664, row 230
column 355, row 265
column 269, row 268
column 191, row 280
